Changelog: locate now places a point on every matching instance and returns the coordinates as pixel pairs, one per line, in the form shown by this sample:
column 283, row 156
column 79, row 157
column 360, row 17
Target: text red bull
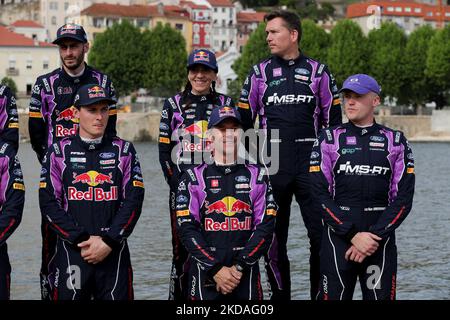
column 93, row 194
column 230, row 224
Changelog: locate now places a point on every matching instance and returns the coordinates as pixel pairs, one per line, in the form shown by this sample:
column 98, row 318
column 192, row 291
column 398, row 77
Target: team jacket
column 9, row 118
column 183, row 128
column 91, row 189
column 12, row 191
column 51, row 107
column 363, row 179
column 226, row 214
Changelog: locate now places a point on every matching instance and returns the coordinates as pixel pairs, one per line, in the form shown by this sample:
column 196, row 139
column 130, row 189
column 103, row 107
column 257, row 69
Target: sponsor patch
column 107, row 155
column 410, row 170
column 277, row 72
column 19, row 186
column 81, row 160
column 43, row 185
column 139, row 184
column 164, row 140
column 182, row 213
column 271, row 212
column 376, row 144
column 351, row 140
column 107, row 162
column 314, row 169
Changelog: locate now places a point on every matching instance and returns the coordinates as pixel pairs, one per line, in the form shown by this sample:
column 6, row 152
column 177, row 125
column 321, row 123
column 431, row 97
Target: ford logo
column 182, row 199
column 107, row 155
column 163, row 126
column 376, row 138
column 241, row 179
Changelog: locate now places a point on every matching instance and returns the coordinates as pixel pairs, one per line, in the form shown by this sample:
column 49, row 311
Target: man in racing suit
column 297, row 96
column 12, row 198
column 51, row 110
column 9, row 118
column 226, row 216
column 182, row 144
column 363, row 178
column 91, row 194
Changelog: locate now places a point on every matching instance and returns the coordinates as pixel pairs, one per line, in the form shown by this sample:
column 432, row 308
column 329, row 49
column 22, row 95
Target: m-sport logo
column 347, row 168
column 289, row 99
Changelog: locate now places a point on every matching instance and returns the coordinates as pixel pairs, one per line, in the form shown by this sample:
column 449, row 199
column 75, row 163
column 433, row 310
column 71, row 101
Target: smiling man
column 91, row 194
column 363, row 178
column 52, row 111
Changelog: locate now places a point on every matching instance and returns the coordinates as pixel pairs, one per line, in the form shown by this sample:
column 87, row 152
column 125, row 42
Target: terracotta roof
column 221, row 3
column 116, row 10
column 193, row 5
column 26, row 24
column 247, row 17
column 361, row 9
column 9, row 38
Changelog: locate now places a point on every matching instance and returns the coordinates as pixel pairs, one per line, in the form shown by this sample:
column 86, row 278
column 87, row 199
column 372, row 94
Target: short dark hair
column 291, row 19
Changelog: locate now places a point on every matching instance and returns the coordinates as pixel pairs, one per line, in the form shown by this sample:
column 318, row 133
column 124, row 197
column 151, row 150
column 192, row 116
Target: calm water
column 423, row 239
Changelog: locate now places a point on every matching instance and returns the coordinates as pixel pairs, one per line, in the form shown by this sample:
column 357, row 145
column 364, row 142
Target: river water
column 423, row 240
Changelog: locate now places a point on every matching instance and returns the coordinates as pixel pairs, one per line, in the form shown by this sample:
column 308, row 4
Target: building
column 30, row 29
column 226, row 73
column 200, row 15
column 23, row 59
column 223, row 31
column 247, row 22
column 98, row 17
column 407, row 14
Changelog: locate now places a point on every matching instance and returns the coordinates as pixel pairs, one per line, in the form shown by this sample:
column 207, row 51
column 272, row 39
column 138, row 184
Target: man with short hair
column 91, row 194
column 297, row 96
column 52, row 113
column 362, row 177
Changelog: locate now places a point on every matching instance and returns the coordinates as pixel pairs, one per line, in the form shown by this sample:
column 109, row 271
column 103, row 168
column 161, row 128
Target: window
column 45, row 64
column 216, row 43
column 417, row 10
column 206, row 28
column 390, row 9
column 398, row 9
column 429, row 14
column 223, row 10
column 66, row 6
column 179, row 26
column 207, row 40
column 215, row 9
column 196, row 28
column 12, row 63
column 54, row 20
column 141, row 23
column 29, row 86
column 224, row 32
column 98, row 22
column 407, row 9
column 196, row 39
column 29, row 63
column 53, row 5
column 224, row 23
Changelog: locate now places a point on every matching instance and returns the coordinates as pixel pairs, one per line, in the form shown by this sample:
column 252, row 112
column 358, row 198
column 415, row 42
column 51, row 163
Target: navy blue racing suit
column 12, row 198
column 363, row 179
column 182, row 145
column 9, row 118
column 90, row 189
column 297, row 97
column 51, row 118
column 225, row 217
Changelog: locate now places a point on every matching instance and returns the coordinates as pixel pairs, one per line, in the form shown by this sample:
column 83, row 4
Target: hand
column 366, row 242
column 225, row 281
column 236, row 273
column 354, row 255
column 94, row 250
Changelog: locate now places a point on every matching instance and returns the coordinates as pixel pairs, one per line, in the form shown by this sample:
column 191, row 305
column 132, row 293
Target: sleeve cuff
column 82, row 237
column 215, row 268
column 113, row 244
column 351, row 233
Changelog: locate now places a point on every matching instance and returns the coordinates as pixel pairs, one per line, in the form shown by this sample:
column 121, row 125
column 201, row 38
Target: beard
column 78, row 61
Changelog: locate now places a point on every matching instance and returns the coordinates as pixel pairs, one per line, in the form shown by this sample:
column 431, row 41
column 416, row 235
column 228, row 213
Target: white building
column 226, row 74
column 24, row 59
column 30, row 29
column 223, row 31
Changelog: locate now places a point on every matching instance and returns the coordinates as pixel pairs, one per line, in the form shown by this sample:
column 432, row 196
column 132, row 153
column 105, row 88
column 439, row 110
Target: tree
column 165, row 61
column 438, row 64
column 254, row 51
column 11, row 84
column 347, row 53
column 418, row 86
column 118, row 52
column 315, row 41
column 386, row 62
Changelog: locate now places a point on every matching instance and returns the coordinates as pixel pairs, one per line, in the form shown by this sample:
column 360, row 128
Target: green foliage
column 165, row 60
column 11, row 84
column 118, row 52
column 419, row 86
column 438, row 59
column 386, row 62
column 255, row 50
column 347, row 54
column 315, row 41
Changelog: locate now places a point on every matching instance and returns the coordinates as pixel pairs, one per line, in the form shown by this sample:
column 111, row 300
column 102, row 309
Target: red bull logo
column 229, row 206
column 226, row 111
column 201, row 56
column 92, row 178
column 68, row 115
column 95, row 92
column 197, row 129
column 230, row 224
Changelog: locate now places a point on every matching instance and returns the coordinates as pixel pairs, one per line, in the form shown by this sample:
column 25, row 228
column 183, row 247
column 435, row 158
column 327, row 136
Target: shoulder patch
column 2, row 88
column 329, row 136
column 320, row 70
column 397, row 137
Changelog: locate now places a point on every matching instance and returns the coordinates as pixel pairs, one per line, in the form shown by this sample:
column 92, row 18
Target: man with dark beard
column 52, row 113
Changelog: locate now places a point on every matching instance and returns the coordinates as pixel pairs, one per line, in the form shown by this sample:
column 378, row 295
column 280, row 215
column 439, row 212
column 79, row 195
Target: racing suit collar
column 91, row 146
column 225, row 169
column 362, row 131
column 75, row 80
column 200, row 98
column 290, row 62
